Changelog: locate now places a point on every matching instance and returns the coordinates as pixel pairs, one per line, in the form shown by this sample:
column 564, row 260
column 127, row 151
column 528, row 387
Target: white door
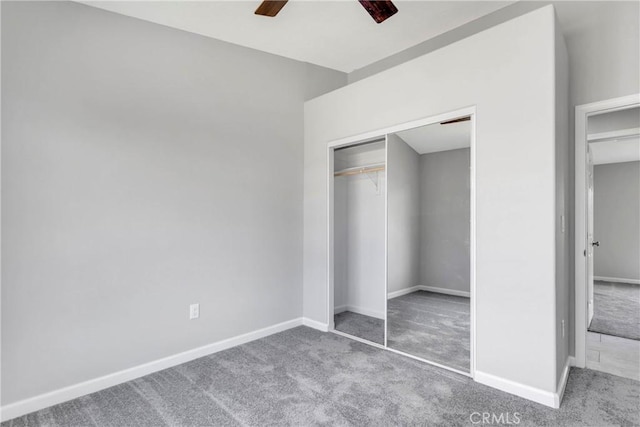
column 589, row 235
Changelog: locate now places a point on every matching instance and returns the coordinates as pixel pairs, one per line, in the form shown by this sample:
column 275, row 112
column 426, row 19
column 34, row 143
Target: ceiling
column 335, row 34
column 437, row 137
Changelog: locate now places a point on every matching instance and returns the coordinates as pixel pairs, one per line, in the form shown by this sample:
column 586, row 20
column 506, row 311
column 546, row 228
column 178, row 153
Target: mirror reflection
column 359, row 240
column 428, row 306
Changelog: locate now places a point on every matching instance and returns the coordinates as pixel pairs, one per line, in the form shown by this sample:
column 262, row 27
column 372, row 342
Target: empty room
column 316, row 212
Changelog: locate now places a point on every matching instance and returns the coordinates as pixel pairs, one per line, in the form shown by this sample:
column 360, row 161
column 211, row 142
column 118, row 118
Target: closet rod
column 360, row 170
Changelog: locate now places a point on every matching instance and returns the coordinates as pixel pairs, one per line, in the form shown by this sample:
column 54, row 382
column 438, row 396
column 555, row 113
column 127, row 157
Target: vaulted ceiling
column 334, row 34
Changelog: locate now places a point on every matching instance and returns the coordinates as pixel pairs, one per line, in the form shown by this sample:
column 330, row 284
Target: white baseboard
column 572, row 361
column 562, row 383
column 617, row 280
column 446, row 291
column 436, row 289
column 359, row 310
column 339, row 309
column 55, row 397
column 315, row 324
column 547, row 398
column 405, row 291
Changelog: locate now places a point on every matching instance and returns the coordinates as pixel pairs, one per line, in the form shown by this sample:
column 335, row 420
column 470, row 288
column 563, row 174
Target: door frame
column 381, row 134
column 582, row 114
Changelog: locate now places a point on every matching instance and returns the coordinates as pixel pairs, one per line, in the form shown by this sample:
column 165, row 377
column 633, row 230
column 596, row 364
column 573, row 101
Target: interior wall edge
column 562, row 383
column 562, row 202
column 322, row 327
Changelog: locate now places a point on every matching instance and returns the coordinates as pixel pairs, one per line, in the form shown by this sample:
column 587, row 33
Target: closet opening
column 359, row 187
column 401, row 239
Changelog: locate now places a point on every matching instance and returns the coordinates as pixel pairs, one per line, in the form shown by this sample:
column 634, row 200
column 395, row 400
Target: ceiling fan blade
column 270, row 7
column 379, row 9
column 461, row 119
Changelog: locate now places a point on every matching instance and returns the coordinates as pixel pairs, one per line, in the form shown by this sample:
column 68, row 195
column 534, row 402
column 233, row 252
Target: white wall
column 603, row 40
column 616, row 216
column 365, row 250
column 143, row 169
column 403, row 233
column 511, row 82
column 603, row 43
column 445, row 227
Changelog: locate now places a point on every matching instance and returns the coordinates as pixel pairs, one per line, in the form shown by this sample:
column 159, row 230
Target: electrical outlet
column 194, row 311
column 562, row 328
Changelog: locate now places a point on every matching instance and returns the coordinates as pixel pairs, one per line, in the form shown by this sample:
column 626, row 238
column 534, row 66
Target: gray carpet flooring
column 302, row 377
column 432, row 326
column 361, row 326
column 616, row 309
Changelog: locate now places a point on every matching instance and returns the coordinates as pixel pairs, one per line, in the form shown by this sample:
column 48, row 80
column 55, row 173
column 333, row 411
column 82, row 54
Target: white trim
column 617, row 280
column 381, row 133
column 547, row 398
column 330, row 249
column 446, row 291
column 386, row 240
column 359, row 310
column 378, row 135
column 435, row 289
column 55, row 397
column 315, row 324
column 562, row 383
column 472, row 244
column 580, row 243
column 340, row 309
column 405, row 291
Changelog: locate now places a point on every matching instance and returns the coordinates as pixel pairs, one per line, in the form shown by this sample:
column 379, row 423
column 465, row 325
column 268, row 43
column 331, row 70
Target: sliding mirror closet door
column 359, row 240
column 428, row 307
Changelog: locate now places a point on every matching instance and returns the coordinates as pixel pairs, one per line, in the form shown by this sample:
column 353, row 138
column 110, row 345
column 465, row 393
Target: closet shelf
column 360, row 170
column 617, row 134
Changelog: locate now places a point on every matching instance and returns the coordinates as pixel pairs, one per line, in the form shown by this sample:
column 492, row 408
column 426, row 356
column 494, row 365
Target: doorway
column 607, row 304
